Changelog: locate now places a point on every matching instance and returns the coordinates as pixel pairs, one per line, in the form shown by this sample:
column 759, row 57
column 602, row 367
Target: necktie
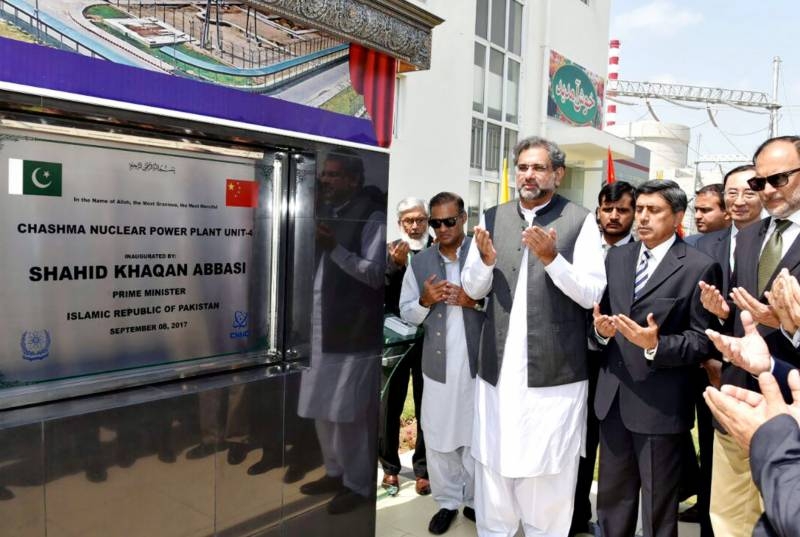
column 771, row 254
column 640, row 279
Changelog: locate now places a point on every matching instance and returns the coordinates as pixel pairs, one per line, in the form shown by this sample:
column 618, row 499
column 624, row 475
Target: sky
column 713, row 43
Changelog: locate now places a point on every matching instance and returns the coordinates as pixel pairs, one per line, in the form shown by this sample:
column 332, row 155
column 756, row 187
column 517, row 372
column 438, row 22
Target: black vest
column 556, row 325
column 352, row 317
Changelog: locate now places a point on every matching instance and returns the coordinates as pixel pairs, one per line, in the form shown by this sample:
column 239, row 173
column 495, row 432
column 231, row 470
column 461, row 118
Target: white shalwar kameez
column 447, row 407
column 335, row 389
column 527, row 441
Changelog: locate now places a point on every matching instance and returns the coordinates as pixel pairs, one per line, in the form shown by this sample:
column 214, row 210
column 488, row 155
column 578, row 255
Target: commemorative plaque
column 120, row 255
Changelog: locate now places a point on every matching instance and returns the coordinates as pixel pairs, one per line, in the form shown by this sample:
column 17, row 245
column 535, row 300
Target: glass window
column 515, row 28
column 512, row 91
column 474, row 204
column 481, row 18
column 478, row 78
column 509, row 141
column 490, row 194
column 499, row 22
column 495, row 96
column 476, row 146
column 493, row 148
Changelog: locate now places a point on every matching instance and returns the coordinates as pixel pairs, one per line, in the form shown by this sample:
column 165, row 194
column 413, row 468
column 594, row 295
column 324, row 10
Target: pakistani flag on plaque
column 34, row 178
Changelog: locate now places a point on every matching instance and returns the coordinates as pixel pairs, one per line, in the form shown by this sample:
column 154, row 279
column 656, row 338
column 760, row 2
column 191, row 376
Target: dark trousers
column 582, row 513
column 705, row 436
column 629, row 462
column 395, row 398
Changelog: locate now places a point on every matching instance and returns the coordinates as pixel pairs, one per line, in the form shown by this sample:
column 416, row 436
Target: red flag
column 610, row 175
column 372, row 75
column 241, row 193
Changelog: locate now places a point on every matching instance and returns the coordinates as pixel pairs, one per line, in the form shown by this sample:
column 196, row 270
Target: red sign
column 241, row 193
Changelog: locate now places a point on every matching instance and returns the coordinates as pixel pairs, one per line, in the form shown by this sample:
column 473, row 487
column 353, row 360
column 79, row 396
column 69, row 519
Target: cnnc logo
column 239, row 325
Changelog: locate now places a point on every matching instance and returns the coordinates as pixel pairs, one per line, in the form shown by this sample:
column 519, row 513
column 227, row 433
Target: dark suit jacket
column 691, row 240
column 775, row 465
column 745, row 274
column 717, row 244
column 655, row 397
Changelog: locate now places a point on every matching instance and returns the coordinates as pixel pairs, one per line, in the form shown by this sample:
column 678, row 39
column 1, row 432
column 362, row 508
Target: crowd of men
column 555, row 329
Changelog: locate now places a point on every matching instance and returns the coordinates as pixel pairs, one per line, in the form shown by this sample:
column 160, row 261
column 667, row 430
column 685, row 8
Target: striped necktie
column 640, row 280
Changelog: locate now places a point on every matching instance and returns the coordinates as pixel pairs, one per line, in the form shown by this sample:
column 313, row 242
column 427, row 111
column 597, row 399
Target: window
column 476, row 146
column 493, row 155
column 496, row 80
column 512, row 90
column 495, row 94
column 482, row 18
column 474, row 204
column 515, row 28
column 499, row 22
column 478, row 78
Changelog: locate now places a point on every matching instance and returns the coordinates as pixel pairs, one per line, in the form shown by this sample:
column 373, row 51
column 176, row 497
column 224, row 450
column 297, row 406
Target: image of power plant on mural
column 242, row 46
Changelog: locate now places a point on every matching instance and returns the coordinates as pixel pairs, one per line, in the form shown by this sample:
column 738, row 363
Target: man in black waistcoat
column 338, row 390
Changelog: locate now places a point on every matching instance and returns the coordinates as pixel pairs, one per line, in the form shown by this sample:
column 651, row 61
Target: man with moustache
column 761, row 252
column 538, row 260
column 652, row 323
column 709, row 211
column 412, row 219
column 744, row 208
column 615, row 204
column 432, row 296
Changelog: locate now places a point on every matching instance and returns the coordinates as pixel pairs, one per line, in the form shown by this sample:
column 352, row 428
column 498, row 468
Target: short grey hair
column 408, row 204
column 557, row 157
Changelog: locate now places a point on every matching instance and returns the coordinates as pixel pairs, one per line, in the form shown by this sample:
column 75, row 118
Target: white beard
column 414, row 244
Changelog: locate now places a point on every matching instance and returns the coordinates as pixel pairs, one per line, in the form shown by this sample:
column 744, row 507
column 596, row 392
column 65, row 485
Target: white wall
column 575, row 30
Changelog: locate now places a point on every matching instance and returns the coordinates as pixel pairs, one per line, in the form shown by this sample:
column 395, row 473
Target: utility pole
column 773, row 111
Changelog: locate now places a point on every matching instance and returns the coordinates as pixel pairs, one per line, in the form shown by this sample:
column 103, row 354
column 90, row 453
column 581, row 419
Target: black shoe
column 345, row 501
column 166, row 455
column 201, row 450
column 262, row 466
column 237, row 453
column 6, row 493
column 323, row 485
column 441, row 521
column 294, row 474
column 96, row 474
column 469, row 513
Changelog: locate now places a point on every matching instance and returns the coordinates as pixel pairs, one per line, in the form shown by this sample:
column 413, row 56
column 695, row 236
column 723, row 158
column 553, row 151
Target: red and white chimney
column 613, row 74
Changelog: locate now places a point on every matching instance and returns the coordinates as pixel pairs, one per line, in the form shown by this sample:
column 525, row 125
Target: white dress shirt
column 521, row 431
column 447, row 407
column 788, row 236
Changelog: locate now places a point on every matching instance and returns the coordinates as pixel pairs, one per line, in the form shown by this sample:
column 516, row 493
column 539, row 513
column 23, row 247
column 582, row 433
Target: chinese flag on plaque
column 241, row 193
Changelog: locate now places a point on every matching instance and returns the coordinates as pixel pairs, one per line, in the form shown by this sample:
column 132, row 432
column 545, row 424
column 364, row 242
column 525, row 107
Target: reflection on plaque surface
column 120, row 255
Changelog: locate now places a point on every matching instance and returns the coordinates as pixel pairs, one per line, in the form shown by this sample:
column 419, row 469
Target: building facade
column 495, row 78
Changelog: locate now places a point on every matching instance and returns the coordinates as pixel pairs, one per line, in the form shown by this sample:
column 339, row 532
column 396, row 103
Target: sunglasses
column 436, row 223
column 776, row 180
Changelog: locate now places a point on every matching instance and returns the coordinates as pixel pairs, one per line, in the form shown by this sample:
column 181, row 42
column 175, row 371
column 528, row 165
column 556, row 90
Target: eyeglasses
column 775, row 180
column 747, row 194
column 411, row 221
column 537, row 168
column 436, row 223
column 331, row 174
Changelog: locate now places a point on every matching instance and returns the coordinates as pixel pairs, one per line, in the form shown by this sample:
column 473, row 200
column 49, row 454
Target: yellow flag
column 504, row 182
